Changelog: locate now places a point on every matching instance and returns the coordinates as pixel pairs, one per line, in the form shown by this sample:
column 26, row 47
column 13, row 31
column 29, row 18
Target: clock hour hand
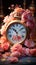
column 15, row 30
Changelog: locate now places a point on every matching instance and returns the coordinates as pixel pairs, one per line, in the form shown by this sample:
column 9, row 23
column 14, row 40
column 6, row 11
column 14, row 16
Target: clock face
column 16, row 33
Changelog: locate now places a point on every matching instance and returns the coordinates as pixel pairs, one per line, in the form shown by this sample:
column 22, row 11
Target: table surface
column 22, row 61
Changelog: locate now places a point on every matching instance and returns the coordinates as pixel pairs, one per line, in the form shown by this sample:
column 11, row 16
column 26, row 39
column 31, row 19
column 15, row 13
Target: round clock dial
column 16, row 33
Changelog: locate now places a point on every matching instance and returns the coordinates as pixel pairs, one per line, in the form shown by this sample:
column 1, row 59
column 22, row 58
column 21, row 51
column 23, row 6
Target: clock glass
column 16, row 33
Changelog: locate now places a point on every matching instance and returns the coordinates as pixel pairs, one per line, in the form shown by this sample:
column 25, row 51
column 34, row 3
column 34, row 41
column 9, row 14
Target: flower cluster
column 17, row 50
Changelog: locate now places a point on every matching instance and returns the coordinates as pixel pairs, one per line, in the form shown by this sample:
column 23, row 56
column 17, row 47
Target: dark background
column 7, row 3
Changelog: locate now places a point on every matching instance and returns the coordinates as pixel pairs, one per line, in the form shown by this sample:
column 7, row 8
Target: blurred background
column 4, row 4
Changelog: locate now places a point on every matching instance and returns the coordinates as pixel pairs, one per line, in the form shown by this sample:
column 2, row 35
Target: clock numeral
column 16, row 24
column 13, row 25
column 22, row 36
column 23, row 31
column 9, row 32
column 9, row 35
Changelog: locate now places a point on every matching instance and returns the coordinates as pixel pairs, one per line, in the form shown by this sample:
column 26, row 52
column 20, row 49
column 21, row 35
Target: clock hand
column 15, row 30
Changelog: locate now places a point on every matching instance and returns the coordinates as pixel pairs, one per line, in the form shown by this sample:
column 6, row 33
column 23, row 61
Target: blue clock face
column 16, row 33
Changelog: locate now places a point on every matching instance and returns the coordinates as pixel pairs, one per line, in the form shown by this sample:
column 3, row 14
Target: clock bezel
column 11, row 23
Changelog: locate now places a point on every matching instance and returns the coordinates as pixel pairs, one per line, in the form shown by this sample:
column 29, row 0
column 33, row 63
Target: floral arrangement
column 12, row 53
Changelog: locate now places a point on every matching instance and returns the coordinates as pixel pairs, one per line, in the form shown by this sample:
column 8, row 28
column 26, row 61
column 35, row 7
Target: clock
column 16, row 32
